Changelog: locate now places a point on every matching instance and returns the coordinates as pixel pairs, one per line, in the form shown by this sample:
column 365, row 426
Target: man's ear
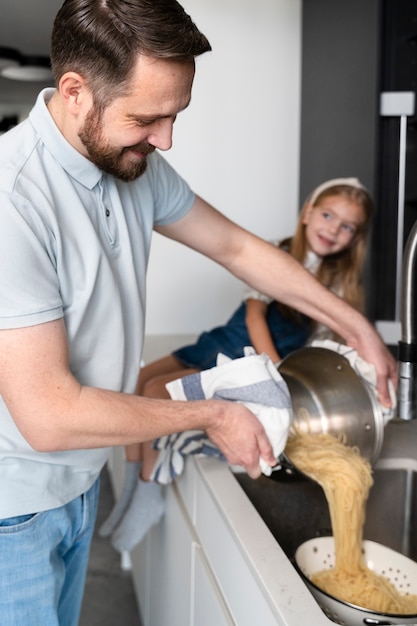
column 75, row 93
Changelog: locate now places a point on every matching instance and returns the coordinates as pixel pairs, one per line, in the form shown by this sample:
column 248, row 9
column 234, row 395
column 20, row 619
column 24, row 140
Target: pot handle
column 375, row 622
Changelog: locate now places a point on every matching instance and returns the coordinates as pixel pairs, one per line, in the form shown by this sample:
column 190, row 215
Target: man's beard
column 105, row 157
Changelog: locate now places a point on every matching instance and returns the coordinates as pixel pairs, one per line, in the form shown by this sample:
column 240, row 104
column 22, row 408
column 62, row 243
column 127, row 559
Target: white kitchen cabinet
column 169, row 566
column 208, row 606
column 174, row 582
column 244, row 594
column 212, row 561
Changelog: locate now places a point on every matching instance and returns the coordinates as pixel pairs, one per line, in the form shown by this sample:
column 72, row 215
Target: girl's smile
column 332, row 225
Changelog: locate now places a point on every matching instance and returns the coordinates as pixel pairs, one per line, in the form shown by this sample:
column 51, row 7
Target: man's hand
column 241, row 437
column 372, row 349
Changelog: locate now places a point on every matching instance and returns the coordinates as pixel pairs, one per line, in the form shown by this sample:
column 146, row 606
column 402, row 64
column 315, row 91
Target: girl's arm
column 258, row 329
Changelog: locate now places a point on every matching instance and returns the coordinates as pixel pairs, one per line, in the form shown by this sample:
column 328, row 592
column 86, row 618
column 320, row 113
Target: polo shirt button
column 107, row 213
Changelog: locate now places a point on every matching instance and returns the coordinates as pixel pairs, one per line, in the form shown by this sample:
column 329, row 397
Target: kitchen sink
column 295, row 509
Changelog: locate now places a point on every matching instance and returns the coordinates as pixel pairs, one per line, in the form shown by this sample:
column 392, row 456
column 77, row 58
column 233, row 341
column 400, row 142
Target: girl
column 330, row 241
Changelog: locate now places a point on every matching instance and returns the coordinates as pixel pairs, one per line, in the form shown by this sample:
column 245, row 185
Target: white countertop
column 288, row 597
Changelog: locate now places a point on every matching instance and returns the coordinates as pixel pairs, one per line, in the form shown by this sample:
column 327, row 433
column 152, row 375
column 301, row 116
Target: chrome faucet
column 407, row 347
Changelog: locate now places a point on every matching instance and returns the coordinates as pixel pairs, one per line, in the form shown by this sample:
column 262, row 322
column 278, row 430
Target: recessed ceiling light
column 16, row 66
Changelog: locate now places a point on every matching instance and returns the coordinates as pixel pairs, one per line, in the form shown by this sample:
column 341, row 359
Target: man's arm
column 275, row 273
column 54, row 412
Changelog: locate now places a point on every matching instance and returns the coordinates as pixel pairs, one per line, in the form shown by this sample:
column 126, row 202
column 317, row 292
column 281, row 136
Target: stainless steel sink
column 295, row 509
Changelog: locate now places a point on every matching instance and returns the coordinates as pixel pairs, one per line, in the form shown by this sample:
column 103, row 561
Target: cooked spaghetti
column 346, row 479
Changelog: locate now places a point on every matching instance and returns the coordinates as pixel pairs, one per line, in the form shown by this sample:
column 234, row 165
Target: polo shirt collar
column 74, row 163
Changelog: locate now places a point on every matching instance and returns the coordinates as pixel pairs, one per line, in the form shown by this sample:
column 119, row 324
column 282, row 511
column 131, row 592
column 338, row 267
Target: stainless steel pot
column 323, row 385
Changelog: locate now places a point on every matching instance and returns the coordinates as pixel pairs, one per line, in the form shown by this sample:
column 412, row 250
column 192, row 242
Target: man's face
column 119, row 138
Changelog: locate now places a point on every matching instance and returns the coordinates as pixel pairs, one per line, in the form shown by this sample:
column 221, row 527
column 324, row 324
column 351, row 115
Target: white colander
column 318, row 554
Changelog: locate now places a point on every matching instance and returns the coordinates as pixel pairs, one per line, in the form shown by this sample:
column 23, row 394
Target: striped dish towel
column 252, row 380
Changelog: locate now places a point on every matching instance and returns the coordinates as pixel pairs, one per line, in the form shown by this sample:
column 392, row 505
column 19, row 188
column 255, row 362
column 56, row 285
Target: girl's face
column 332, row 225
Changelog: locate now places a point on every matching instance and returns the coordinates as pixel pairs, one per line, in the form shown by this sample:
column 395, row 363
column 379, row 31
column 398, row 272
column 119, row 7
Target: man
column 81, row 189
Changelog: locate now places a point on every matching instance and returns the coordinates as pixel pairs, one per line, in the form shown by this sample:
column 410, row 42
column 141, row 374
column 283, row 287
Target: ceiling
column 26, row 25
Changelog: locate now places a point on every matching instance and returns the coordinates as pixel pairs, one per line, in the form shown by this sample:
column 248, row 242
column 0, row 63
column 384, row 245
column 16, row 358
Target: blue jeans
column 43, row 563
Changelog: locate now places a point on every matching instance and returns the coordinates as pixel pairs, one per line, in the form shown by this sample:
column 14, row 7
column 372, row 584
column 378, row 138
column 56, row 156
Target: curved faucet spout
column 407, row 352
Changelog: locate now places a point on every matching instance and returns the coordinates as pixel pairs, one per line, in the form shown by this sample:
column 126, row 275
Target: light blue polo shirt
column 74, row 243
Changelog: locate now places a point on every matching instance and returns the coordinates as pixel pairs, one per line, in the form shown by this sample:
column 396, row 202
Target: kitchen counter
column 213, row 561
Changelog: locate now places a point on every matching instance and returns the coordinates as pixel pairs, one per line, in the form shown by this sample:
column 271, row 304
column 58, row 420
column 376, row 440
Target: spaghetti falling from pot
column 346, row 478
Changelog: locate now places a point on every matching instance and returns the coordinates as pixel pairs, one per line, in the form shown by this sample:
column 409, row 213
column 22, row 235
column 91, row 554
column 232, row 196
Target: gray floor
column 109, row 598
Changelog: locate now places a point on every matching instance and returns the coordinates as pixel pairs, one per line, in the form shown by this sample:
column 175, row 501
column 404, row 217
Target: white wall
column 238, row 147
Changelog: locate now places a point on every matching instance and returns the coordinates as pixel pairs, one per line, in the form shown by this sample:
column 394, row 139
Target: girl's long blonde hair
column 341, row 272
